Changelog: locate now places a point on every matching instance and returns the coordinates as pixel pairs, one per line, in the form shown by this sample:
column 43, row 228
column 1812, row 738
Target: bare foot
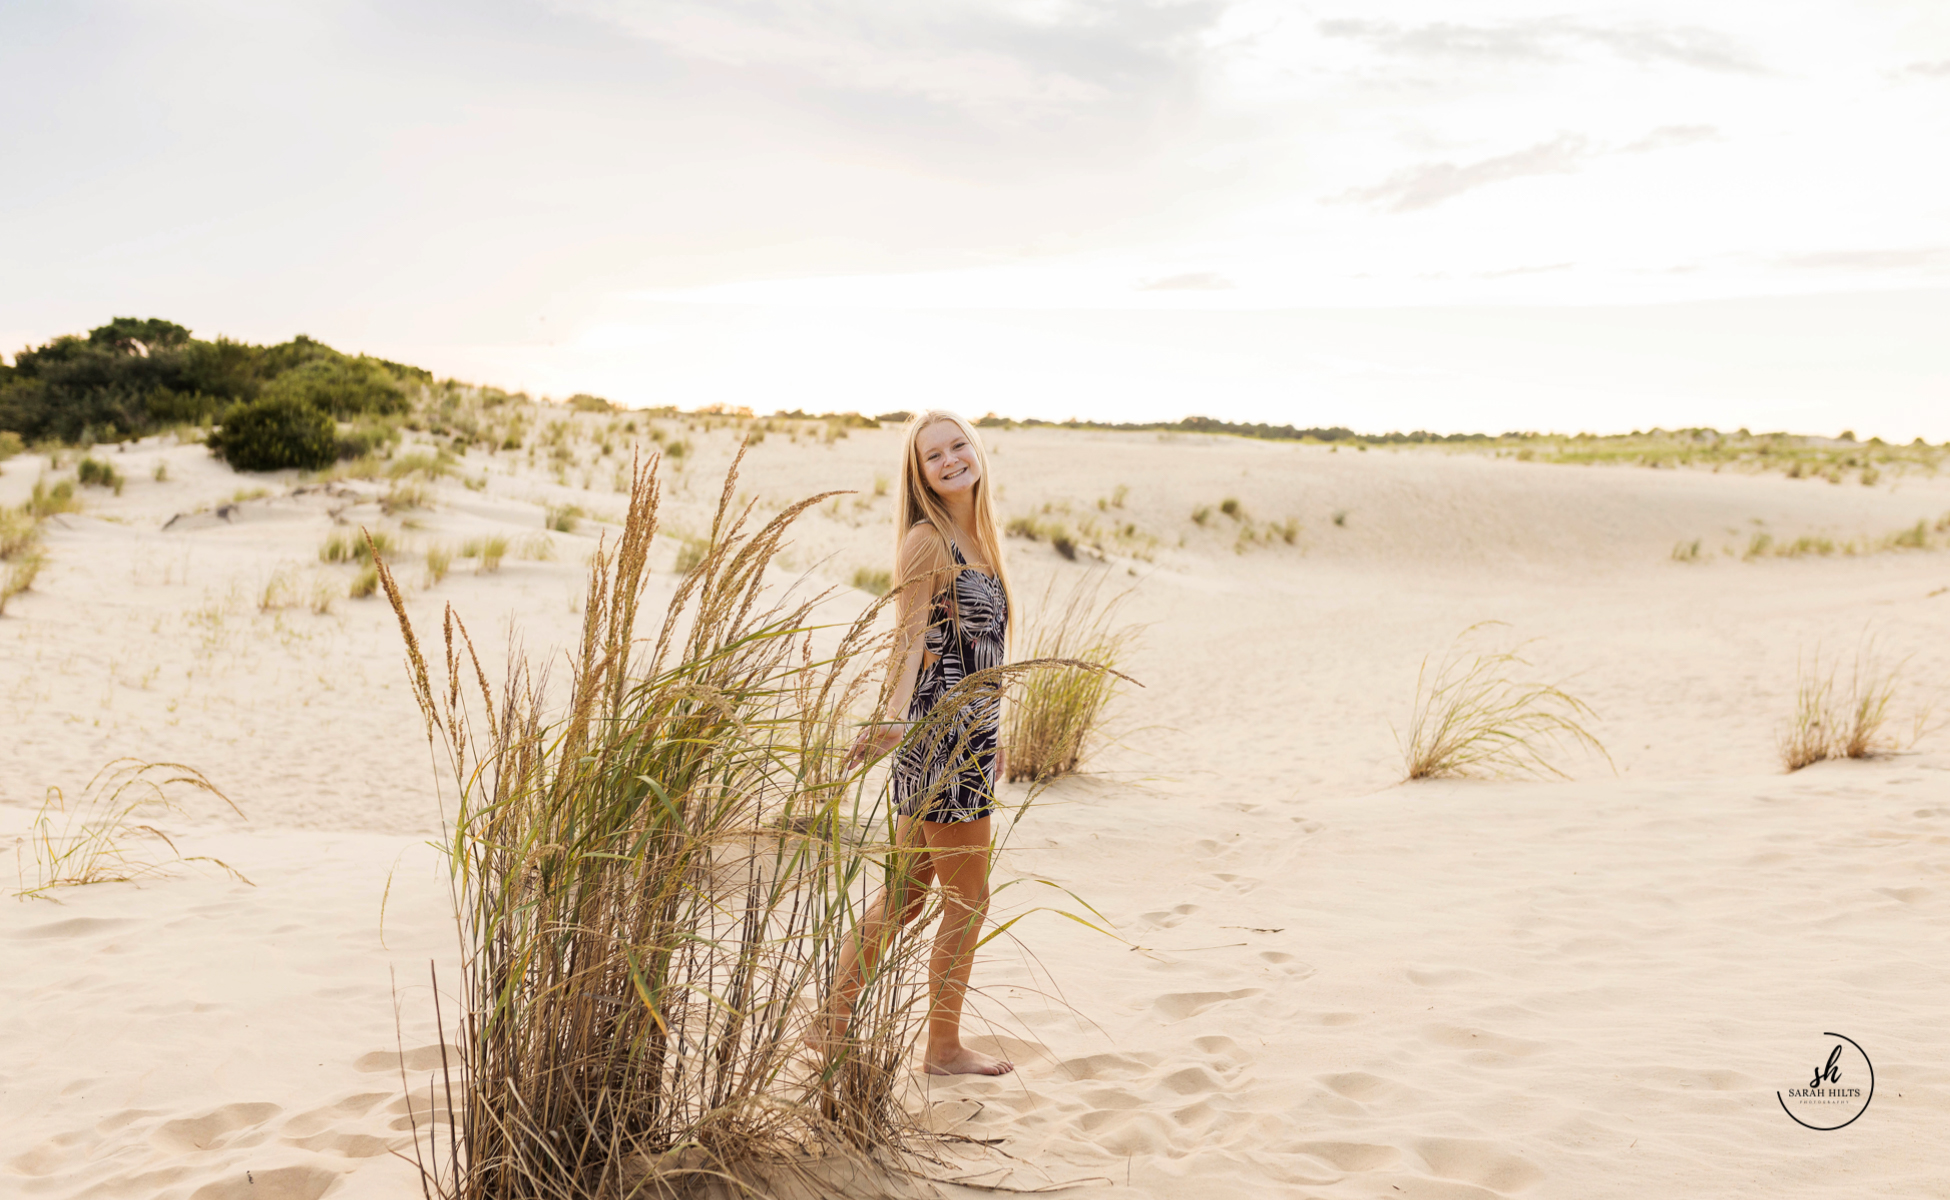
column 963, row 1061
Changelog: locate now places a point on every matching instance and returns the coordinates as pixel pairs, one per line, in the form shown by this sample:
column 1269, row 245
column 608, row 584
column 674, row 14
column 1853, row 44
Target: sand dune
column 1321, row 983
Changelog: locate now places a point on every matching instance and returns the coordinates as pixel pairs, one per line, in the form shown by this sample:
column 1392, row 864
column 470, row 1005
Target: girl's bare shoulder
column 922, row 549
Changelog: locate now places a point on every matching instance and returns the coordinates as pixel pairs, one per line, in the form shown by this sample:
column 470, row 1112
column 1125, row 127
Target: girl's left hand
column 875, row 740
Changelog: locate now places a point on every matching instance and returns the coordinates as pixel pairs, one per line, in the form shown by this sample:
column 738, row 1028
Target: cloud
column 1933, row 70
column 1197, row 281
column 1668, row 137
column 994, row 55
column 1547, row 40
column 1870, row 260
column 1432, row 183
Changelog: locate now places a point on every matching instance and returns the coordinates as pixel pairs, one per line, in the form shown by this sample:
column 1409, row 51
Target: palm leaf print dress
column 946, row 771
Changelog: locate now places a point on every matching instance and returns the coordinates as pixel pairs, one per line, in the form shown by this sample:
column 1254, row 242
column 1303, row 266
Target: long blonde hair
column 919, row 503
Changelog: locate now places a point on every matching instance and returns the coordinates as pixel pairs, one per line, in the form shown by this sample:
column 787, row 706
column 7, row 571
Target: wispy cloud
column 1669, row 137
column 1910, row 259
column 1025, row 60
column 1430, row 184
column 1196, row 281
column 1931, row 70
column 1548, row 40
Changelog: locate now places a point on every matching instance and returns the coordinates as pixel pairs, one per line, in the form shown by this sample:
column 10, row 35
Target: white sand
column 1327, row 984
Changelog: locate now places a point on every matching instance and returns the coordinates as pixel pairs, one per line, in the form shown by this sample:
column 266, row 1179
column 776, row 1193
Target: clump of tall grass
column 1475, row 716
column 21, row 558
column 645, row 947
column 47, row 501
column 93, row 472
column 654, row 877
column 19, row 533
column 18, row 576
column 97, row 840
column 1056, row 716
column 562, row 518
column 403, row 496
column 365, row 583
column 873, row 580
column 440, row 560
column 1830, row 722
column 344, row 546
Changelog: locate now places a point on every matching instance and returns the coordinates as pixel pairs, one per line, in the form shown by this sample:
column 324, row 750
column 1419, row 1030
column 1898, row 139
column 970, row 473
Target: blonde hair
column 919, row 503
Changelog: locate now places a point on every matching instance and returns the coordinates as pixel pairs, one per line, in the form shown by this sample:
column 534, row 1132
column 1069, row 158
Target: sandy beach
column 1316, row 981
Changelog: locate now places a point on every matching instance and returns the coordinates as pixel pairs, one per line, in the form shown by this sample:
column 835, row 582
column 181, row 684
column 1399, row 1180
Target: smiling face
column 949, row 461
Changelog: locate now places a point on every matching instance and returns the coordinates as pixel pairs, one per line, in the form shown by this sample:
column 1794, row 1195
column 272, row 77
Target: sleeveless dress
column 948, row 774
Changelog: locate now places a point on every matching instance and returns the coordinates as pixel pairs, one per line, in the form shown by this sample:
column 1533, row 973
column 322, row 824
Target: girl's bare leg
column 959, row 855
column 896, row 905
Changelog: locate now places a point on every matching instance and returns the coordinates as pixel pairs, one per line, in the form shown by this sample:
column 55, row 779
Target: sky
column 1389, row 214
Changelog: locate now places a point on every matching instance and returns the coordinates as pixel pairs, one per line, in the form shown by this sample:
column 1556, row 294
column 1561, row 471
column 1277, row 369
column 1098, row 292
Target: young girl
column 953, row 621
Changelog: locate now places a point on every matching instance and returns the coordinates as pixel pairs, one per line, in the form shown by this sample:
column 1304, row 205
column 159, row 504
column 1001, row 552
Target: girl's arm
column 922, row 569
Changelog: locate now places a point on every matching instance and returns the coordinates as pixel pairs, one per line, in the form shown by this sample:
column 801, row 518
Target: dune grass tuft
column 365, row 583
column 93, row 472
column 1056, row 716
column 1830, row 722
column 47, row 501
column 99, row 839
column 873, row 580
column 1473, row 716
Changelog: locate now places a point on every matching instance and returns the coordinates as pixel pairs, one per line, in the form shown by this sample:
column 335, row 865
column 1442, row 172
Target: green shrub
column 275, row 433
column 10, row 444
column 343, row 387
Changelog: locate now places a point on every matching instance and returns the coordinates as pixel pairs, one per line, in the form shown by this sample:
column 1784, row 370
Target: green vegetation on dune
column 133, row 377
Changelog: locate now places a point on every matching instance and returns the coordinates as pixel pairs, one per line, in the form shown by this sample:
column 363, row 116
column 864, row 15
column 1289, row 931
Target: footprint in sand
column 1481, row 1039
column 1348, row 1156
column 1166, row 920
column 1109, row 1066
column 1441, row 976
column 1481, row 1163
column 278, row 1183
column 318, row 1120
column 422, row 1058
column 1908, row 895
column 1177, row 1006
column 222, row 1127
column 1357, row 1085
column 73, row 927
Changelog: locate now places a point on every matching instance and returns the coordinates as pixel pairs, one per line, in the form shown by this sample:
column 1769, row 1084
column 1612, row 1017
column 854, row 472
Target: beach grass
column 656, row 864
column 110, row 835
column 648, row 924
column 1476, row 715
column 1056, row 717
column 1832, row 721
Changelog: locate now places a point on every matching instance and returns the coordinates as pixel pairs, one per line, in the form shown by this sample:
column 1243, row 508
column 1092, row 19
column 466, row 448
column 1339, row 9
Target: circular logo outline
column 1865, row 1100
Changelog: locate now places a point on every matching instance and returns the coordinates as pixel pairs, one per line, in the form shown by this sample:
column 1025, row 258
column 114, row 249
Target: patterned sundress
column 949, row 776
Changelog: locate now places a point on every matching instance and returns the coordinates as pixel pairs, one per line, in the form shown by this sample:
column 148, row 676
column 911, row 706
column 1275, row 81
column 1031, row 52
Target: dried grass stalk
column 99, row 839
column 1473, row 717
